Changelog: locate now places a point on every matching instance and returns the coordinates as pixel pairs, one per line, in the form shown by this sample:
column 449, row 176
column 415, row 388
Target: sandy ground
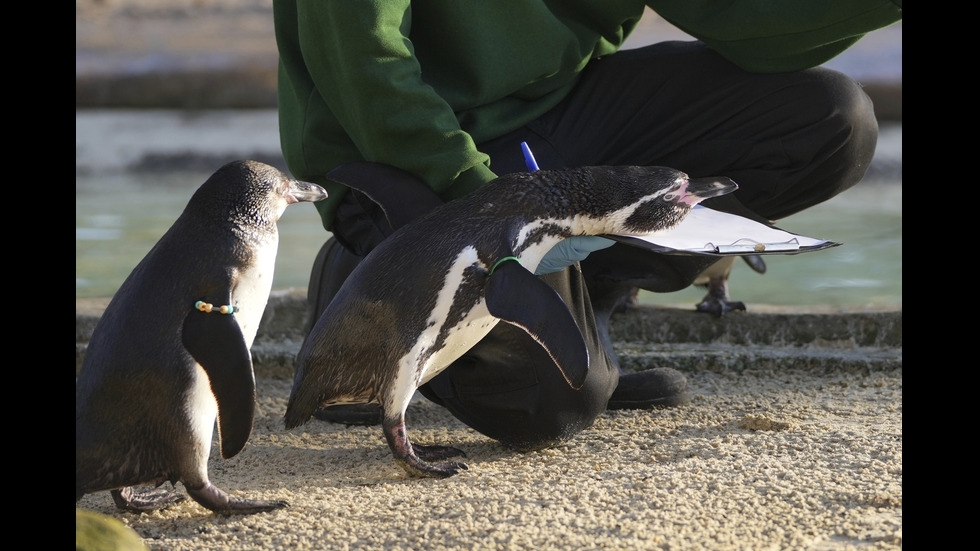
column 761, row 459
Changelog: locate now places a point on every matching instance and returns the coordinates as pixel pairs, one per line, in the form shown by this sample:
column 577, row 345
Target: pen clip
column 532, row 165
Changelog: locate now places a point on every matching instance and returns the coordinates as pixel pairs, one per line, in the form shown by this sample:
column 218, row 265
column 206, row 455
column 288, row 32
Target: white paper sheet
column 711, row 231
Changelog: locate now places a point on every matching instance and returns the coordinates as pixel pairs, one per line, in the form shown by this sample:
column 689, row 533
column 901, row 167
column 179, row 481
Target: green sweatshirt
column 417, row 85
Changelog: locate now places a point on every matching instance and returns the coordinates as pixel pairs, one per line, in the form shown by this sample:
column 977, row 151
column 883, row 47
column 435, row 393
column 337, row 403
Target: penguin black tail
column 298, row 412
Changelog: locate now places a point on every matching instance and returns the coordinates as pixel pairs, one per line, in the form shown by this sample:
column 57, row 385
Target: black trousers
column 790, row 141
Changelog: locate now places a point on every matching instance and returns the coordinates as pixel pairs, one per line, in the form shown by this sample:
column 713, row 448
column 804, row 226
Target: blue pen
column 532, row 165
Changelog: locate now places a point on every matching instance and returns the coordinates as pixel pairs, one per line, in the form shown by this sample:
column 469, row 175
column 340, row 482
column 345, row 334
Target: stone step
column 644, row 337
column 737, row 358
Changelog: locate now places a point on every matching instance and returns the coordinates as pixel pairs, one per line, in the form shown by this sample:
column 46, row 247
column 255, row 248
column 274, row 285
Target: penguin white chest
column 458, row 339
column 201, row 409
column 251, row 293
column 453, row 326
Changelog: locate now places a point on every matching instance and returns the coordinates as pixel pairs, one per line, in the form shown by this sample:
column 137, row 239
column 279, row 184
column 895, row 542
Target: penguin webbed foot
column 435, row 452
column 717, row 302
column 415, row 466
column 152, row 499
column 217, row 500
column 415, row 458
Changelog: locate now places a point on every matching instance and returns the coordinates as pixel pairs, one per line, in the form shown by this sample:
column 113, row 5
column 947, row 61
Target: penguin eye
column 671, row 193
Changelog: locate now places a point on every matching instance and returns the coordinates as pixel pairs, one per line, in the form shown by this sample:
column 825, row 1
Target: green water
column 118, row 219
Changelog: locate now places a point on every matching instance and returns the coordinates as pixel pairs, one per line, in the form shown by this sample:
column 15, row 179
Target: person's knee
column 520, row 419
column 826, row 145
column 846, row 114
column 852, row 133
column 546, row 429
column 843, row 95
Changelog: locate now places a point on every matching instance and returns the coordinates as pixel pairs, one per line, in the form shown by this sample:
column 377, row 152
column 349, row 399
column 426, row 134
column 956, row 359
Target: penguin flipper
column 217, row 344
column 518, row 297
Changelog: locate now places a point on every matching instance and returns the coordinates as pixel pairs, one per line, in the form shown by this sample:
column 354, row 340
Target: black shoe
column 351, row 414
column 658, row 387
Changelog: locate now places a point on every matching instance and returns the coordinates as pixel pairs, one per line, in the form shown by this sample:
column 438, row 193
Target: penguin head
column 635, row 200
column 669, row 205
column 251, row 193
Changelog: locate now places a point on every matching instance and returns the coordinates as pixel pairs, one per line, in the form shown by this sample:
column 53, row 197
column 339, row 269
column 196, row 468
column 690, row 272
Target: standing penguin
column 171, row 352
column 439, row 284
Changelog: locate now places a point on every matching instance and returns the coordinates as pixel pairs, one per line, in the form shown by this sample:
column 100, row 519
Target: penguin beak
column 694, row 191
column 300, row 191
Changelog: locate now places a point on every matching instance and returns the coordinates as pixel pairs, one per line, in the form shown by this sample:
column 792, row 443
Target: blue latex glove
column 569, row 251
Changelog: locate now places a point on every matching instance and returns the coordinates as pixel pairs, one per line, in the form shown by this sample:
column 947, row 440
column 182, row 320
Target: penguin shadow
column 255, row 471
column 351, row 455
column 328, row 453
column 180, row 525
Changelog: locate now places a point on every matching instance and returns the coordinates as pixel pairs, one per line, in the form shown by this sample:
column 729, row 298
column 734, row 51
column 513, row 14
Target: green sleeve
column 387, row 110
column 769, row 36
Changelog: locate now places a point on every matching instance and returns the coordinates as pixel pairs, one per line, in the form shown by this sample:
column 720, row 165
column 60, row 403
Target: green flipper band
column 504, row 259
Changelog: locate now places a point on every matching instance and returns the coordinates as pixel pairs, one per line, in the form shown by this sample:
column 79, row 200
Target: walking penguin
column 171, row 352
column 440, row 283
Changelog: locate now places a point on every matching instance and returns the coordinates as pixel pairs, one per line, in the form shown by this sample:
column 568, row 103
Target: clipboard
column 710, row 232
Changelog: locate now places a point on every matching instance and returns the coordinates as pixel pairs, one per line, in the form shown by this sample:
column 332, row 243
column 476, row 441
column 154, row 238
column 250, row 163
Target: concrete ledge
column 736, row 358
column 762, row 326
column 765, row 337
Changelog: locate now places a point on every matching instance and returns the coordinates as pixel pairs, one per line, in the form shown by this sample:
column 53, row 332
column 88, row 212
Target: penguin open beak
column 300, row 191
column 696, row 190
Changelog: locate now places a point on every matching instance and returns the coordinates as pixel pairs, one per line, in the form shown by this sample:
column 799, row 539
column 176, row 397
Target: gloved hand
column 569, row 251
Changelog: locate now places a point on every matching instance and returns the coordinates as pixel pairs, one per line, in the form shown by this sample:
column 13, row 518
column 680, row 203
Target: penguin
column 715, row 280
column 441, row 282
column 170, row 355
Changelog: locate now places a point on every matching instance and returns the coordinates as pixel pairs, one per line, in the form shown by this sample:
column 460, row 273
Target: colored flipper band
column 209, row 308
